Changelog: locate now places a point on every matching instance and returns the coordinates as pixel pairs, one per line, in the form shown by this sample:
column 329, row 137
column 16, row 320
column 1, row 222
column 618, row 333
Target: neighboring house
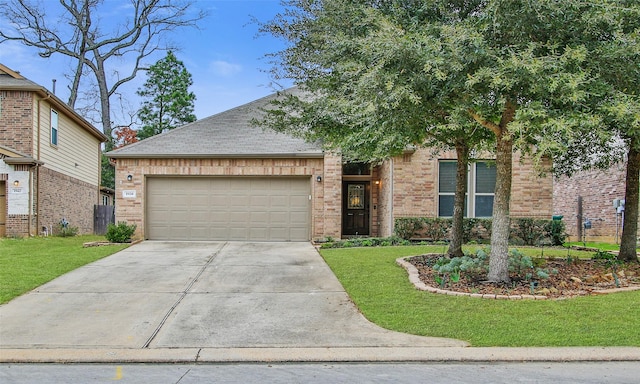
column 49, row 160
column 590, row 196
column 107, row 196
column 220, row 178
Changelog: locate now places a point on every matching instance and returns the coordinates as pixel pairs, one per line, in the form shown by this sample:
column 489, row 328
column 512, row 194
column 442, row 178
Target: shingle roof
column 14, row 81
column 226, row 134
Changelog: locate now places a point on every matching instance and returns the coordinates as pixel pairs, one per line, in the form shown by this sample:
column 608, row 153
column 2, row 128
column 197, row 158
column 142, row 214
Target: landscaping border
column 414, row 278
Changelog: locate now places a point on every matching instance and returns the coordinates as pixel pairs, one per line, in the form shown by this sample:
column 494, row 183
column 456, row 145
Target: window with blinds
column 480, row 190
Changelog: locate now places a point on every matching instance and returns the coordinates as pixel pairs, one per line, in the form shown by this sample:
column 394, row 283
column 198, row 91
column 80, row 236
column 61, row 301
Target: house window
column 480, row 190
column 54, row 127
column 105, row 200
column 356, row 169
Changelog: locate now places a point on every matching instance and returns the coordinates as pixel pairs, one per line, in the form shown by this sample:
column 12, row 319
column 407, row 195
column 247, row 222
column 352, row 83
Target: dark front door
column 355, row 208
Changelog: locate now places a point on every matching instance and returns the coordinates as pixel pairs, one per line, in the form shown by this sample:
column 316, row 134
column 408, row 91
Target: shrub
column 475, row 267
column 529, row 231
column 67, row 231
column 437, row 228
column 556, row 231
column 367, row 242
column 406, row 227
column 120, row 233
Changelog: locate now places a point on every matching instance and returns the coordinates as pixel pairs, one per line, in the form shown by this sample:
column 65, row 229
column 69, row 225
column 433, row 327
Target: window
column 105, row 200
column 356, row 169
column 54, row 127
column 480, row 190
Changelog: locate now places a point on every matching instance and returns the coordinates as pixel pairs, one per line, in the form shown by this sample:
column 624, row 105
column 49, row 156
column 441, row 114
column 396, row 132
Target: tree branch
column 493, row 127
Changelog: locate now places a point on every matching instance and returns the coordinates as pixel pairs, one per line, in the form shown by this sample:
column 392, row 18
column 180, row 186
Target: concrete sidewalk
column 200, row 301
column 330, row 354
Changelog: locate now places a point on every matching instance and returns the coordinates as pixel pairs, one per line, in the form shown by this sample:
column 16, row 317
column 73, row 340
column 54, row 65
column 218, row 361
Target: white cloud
column 224, row 68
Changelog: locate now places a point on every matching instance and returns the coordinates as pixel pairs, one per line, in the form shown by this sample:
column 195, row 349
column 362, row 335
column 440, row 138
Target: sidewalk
column 372, row 354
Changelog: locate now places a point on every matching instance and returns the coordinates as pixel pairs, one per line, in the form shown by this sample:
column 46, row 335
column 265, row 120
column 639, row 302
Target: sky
column 226, row 56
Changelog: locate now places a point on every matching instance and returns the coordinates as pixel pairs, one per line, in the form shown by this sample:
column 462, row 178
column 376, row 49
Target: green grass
column 601, row 246
column 383, row 293
column 30, row 262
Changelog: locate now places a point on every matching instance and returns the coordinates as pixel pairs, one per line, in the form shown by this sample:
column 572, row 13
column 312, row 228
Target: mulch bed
column 573, row 278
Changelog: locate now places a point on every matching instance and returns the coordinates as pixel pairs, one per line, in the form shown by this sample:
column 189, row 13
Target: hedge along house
column 49, row 160
column 220, row 178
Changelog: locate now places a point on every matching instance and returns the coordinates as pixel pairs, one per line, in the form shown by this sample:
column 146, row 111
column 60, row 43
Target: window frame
column 54, row 132
column 472, row 194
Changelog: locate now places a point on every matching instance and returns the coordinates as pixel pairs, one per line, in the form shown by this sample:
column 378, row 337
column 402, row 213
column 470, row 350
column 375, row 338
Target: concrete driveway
column 168, row 295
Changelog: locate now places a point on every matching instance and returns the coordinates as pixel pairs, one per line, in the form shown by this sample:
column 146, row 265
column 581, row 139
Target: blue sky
column 225, row 57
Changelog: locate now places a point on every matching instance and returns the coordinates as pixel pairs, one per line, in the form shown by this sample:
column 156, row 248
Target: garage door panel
column 228, row 208
column 299, row 218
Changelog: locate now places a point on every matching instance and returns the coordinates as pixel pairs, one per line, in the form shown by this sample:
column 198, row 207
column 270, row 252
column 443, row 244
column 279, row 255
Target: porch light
column 319, row 179
column 377, row 182
column 129, row 177
column 16, row 183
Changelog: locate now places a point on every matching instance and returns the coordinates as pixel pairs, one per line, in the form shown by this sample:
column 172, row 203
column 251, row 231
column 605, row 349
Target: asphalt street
column 433, row 373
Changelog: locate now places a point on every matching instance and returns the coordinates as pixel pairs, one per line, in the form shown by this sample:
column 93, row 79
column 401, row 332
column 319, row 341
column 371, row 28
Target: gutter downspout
column 37, row 194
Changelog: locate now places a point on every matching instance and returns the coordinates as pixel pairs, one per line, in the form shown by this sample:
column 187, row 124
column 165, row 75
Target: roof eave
column 22, row 161
column 305, row 155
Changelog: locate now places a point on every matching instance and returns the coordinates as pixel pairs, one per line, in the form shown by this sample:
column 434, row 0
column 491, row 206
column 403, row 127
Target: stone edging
column 414, row 278
column 103, row 243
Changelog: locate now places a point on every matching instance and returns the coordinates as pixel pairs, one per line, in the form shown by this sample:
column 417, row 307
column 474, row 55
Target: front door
column 355, row 208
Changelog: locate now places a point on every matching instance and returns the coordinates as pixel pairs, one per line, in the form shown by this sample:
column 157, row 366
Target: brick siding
column 16, row 120
column 326, row 209
column 62, row 196
column 598, row 189
column 414, row 192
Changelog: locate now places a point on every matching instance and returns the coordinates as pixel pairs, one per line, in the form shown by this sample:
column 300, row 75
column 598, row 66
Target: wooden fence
column 102, row 216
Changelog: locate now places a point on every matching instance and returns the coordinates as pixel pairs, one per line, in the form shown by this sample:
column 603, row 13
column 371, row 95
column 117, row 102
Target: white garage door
column 228, row 208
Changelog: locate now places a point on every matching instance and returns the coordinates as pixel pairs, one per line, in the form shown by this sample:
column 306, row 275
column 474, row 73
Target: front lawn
column 30, row 262
column 382, row 292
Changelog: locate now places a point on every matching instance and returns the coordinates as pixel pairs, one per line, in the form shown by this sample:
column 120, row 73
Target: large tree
column 111, row 55
column 387, row 73
column 168, row 103
column 609, row 33
column 366, row 91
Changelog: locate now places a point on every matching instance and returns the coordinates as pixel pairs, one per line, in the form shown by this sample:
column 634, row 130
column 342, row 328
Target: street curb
column 308, row 355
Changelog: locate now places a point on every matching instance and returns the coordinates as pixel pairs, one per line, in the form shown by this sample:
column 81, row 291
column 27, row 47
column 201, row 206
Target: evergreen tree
column 168, row 102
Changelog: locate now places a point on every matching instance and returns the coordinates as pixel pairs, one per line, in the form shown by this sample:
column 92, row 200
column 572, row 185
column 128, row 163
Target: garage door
column 228, row 208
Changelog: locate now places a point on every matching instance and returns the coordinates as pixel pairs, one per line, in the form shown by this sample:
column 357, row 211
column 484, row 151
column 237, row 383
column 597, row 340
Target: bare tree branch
column 80, row 38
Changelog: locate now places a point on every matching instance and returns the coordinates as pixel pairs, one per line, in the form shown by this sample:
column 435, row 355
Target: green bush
column 406, row 227
column 556, row 231
column 476, row 266
column 524, row 231
column 366, row 242
column 67, row 231
column 120, row 233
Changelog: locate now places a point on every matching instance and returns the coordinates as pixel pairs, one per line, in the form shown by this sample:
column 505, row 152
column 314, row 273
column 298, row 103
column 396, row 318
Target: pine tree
column 168, row 102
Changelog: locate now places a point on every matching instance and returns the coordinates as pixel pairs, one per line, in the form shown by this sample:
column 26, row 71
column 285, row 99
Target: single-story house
column 220, row 178
column 49, row 160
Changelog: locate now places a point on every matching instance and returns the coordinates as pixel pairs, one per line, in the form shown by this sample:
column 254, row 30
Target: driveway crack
column 183, row 294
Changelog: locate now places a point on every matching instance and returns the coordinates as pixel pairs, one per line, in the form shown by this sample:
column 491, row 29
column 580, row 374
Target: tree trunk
column 105, row 106
column 500, row 227
column 628, row 241
column 457, row 233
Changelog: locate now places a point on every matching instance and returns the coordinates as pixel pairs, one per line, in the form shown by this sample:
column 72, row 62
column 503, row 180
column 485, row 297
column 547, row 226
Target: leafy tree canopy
column 381, row 74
